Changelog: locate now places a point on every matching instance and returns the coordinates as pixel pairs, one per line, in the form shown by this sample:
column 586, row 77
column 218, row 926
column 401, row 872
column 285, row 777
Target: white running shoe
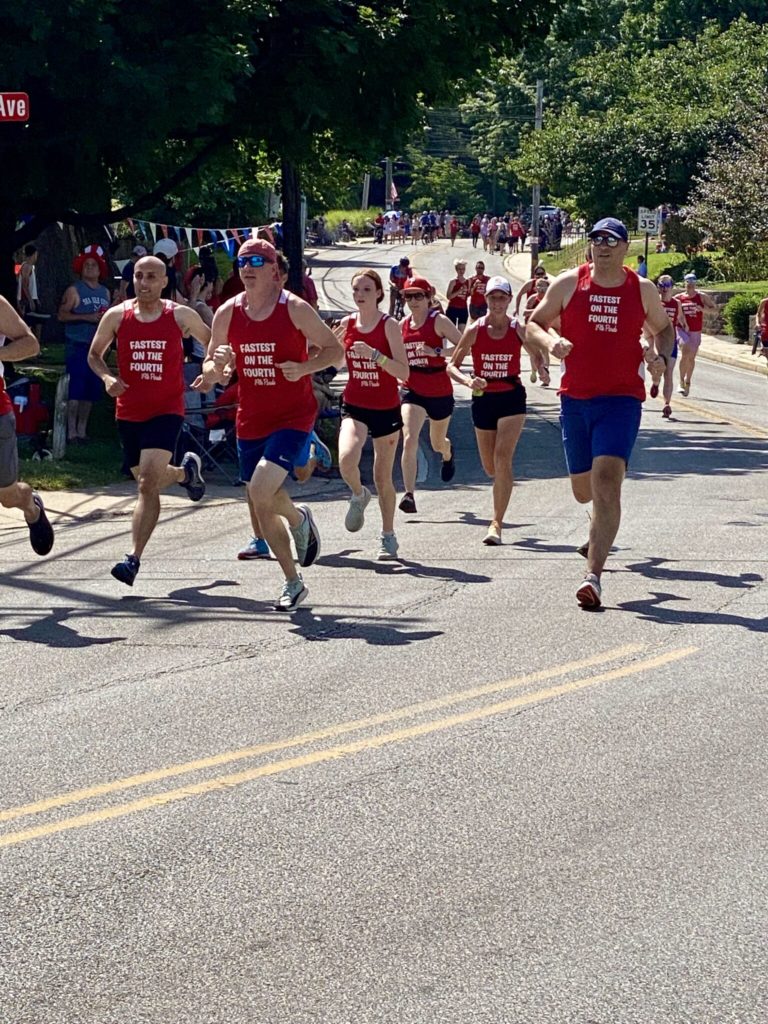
column 590, row 592
column 388, row 548
column 355, row 517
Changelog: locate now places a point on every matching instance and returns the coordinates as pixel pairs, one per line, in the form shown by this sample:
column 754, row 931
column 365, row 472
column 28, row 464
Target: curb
column 739, row 361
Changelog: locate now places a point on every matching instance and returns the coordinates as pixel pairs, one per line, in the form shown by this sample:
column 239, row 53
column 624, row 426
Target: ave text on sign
column 14, row 106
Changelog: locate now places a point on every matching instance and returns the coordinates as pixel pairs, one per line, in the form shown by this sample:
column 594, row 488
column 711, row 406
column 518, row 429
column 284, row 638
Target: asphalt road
column 439, row 792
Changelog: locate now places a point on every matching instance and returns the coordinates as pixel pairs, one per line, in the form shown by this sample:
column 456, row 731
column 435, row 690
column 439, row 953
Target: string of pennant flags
column 186, row 238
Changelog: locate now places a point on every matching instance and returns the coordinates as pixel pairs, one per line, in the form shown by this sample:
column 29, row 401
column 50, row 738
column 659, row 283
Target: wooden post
column 59, row 446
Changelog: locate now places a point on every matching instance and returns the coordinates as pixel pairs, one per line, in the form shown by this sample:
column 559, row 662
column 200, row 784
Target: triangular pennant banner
column 164, row 229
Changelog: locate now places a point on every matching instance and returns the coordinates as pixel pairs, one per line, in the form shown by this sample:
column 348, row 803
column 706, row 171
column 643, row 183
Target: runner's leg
column 413, row 420
column 384, row 449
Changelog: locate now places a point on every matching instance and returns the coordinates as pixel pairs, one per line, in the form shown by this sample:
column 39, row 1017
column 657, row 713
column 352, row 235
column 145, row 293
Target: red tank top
column 477, row 290
column 150, row 359
column 672, row 307
column 604, row 325
column 497, row 360
column 429, row 376
column 269, row 402
column 6, row 405
column 369, row 386
column 459, row 298
column 693, row 307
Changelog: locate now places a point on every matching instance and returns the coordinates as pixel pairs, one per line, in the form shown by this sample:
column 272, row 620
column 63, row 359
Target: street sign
column 14, row 106
column 648, row 221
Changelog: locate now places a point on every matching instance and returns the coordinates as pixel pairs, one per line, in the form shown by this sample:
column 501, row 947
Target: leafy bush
column 682, row 235
column 737, row 312
column 358, row 220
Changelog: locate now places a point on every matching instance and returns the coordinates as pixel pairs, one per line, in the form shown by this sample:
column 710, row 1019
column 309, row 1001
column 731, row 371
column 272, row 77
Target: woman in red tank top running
column 375, row 358
column 498, row 395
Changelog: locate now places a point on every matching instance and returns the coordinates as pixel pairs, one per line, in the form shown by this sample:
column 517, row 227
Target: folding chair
column 209, row 431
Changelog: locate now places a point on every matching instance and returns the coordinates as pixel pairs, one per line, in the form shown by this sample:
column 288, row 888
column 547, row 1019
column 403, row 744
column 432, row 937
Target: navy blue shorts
column 84, row 385
column 286, row 448
column 591, row 427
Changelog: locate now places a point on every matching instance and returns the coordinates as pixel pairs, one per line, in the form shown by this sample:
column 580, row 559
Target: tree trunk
column 7, row 272
column 292, row 246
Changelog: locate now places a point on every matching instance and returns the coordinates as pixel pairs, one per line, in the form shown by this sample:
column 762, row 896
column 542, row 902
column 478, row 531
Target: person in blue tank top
column 82, row 307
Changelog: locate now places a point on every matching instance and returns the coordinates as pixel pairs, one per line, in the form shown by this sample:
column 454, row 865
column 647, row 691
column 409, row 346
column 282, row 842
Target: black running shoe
column 126, row 570
column 41, row 531
column 654, row 390
column 407, row 503
column 448, row 468
column 193, row 482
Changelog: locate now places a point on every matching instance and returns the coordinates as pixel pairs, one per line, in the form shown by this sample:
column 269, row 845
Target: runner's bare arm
column 458, row 356
column 21, row 341
column 192, row 324
column 102, row 339
column 219, row 362
column 318, row 335
column 556, row 298
column 447, row 330
column 682, row 320
column 656, row 319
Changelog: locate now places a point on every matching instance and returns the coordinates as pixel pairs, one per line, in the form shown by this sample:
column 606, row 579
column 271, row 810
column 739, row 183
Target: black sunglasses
column 608, row 240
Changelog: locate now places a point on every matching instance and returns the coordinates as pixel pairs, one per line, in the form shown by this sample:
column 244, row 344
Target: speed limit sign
column 648, row 221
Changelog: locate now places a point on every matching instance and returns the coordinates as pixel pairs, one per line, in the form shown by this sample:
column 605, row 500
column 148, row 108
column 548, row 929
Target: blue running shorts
column 591, row 427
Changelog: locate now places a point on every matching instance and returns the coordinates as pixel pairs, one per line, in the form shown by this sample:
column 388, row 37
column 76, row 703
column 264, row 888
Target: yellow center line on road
column 330, row 732
column 723, row 419
column 344, row 750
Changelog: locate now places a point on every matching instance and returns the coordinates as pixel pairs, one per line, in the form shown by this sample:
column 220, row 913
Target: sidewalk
column 720, row 348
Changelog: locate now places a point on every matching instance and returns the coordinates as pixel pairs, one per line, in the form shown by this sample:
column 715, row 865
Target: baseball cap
column 498, row 284
column 405, row 260
column 690, row 277
column 165, row 247
column 610, row 226
column 139, row 250
column 418, row 284
column 258, row 247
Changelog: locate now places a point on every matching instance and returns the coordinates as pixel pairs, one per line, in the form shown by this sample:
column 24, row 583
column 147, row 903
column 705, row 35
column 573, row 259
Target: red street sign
column 14, row 106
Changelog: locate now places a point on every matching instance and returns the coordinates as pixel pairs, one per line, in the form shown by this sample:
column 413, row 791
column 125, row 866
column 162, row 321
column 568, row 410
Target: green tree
column 443, row 185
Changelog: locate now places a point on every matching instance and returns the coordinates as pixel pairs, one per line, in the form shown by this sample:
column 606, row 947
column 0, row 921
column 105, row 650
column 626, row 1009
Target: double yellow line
column 370, row 742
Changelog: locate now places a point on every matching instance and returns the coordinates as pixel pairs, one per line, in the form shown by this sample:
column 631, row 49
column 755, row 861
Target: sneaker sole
column 195, row 490
column 491, row 541
column 252, row 558
column 128, row 581
column 588, row 597
column 313, row 548
column 300, row 598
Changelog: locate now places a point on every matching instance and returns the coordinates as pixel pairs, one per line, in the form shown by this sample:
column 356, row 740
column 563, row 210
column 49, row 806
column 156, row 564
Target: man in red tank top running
column 18, row 342
column 602, row 307
column 265, row 335
column 149, row 392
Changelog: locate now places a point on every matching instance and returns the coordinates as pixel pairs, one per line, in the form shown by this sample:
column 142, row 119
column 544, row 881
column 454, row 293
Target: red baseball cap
column 417, row 284
column 258, row 247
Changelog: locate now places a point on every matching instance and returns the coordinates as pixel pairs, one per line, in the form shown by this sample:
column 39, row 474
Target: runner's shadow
column 650, row 568
column 322, row 627
column 51, row 632
column 341, row 560
column 196, row 597
column 651, row 611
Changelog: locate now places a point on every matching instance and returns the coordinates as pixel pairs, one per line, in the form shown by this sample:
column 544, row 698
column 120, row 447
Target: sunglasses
column 252, row 261
column 410, row 296
column 608, row 240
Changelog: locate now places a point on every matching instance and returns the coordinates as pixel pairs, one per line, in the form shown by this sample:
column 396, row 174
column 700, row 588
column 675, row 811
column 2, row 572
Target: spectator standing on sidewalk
column 82, row 307
column 18, row 342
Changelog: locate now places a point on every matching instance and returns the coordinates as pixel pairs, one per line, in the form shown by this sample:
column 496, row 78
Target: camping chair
column 209, row 430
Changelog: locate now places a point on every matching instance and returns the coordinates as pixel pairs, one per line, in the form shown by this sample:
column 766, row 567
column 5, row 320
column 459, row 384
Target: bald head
column 149, row 278
column 148, row 263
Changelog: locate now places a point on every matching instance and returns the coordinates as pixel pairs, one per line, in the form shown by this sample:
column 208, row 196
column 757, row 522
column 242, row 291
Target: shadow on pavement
column 323, row 627
column 651, row 569
column 342, row 560
column 51, row 632
column 650, row 610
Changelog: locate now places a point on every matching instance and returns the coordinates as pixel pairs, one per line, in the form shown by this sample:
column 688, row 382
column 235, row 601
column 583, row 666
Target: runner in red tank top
column 376, row 359
column 602, row 308
column 428, row 392
column 18, row 342
column 694, row 303
column 149, row 389
column 498, row 395
column 265, row 335
column 676, row 316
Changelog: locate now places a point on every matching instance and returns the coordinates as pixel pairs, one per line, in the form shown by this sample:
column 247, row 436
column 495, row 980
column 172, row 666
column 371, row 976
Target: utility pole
column 366, row 189
column 536, row 198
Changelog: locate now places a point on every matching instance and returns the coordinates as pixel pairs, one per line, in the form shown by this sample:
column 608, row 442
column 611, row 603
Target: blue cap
column 610, row 226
